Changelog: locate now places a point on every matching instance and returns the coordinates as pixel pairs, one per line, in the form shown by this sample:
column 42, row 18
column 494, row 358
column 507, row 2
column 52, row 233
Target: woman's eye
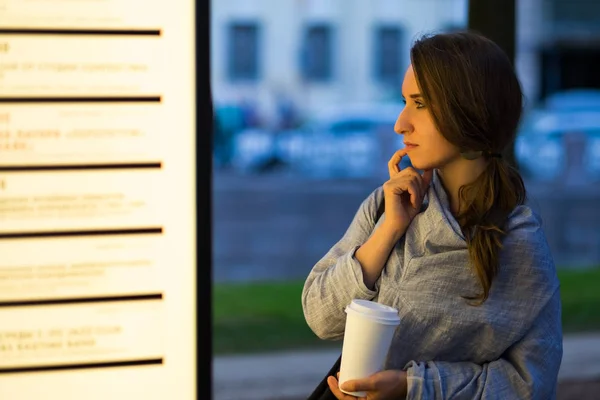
column 419, row 105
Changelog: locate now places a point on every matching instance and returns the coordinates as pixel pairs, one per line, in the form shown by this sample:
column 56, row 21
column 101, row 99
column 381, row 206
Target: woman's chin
column 422, row 165
column 418, row 164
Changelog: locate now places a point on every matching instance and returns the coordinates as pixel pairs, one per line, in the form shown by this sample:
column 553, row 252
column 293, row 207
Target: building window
column 388, row 55
column 317, row 53
column 576, row 12
column 243, row 51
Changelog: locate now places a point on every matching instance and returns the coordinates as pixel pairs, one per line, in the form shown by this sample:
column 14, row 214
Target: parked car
column 352, row 141
column 561, row 138
column 253, row 150
column 574, row 99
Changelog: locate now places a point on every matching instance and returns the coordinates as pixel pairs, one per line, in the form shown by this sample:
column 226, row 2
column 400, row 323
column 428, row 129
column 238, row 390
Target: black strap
column 322, row 391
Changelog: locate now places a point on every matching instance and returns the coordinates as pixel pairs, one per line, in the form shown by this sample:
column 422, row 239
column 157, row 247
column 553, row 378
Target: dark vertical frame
column 496, row 19
column 204, row 132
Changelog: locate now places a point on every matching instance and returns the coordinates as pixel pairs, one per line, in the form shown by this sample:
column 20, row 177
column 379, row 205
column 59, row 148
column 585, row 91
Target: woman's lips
column 410, row 146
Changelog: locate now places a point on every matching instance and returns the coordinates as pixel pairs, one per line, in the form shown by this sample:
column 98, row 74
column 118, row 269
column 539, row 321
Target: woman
column 456, row 251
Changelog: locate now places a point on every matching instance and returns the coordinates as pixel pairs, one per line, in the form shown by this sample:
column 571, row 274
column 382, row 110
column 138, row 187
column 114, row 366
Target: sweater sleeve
column 337, row 278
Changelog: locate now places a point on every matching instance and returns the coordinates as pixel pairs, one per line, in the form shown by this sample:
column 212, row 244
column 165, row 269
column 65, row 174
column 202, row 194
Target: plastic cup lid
column 380, row 312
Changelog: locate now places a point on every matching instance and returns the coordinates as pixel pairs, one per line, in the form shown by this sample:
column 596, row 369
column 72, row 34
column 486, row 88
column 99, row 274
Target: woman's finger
column 393, row 164
column 407, row 173
column 414, row 190
column 418, row 180
column 411, row 182
column 333, row 385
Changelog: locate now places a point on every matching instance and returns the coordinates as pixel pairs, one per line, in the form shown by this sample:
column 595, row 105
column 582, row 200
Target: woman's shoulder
column 525, row 245
column 523, row 220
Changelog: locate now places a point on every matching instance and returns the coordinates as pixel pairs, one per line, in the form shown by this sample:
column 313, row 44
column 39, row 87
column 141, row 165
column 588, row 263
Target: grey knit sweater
column 508, row 348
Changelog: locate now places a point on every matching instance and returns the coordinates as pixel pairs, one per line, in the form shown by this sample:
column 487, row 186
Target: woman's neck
column 458, row 173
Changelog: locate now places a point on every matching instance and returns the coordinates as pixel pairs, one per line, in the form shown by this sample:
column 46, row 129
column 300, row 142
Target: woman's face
column 427, row 148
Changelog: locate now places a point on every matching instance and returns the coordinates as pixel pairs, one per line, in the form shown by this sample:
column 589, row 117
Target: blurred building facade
column 558, row 45
column 310, row 54
column 315, row 53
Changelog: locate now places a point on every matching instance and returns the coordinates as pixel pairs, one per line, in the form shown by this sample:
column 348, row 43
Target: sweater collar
column 439, row 205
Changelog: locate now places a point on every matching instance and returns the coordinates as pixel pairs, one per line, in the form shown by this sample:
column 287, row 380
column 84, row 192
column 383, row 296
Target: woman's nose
column 402, row 124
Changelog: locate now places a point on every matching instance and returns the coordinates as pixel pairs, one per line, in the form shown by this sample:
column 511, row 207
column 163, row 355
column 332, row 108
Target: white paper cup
column 369, row 331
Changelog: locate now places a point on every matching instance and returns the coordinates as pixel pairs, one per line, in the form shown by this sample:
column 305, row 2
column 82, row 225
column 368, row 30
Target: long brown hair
column 476, row 102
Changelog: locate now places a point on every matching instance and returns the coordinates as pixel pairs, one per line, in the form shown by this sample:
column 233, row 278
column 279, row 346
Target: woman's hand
column 384, row 385
column 404, row 193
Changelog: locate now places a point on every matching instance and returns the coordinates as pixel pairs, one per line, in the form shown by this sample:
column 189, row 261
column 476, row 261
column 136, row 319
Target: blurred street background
column 306, row 93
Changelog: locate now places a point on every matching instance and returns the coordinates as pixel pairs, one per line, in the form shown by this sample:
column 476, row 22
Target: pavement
column 293, row 375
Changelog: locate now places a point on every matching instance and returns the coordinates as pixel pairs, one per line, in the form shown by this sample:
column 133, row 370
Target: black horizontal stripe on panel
column 82, row 233
column 81, row 300
column 76, row 366
column 81, row 99
column 80, row 31
column 79, row 167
